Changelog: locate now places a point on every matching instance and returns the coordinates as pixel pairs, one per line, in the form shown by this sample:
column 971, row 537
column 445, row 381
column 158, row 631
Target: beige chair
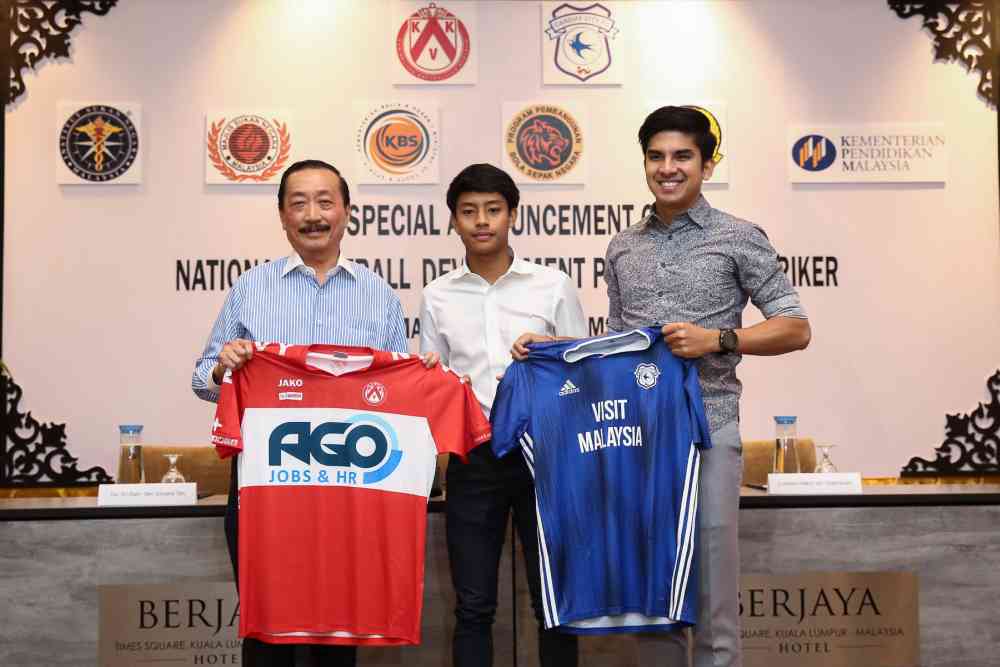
column 198, row 463
column 758, row 458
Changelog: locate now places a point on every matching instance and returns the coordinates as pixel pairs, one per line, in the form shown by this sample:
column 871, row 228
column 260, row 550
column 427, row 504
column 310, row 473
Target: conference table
column 56, row 552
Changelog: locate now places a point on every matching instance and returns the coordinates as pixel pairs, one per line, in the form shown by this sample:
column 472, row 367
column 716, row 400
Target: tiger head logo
column 542, row 145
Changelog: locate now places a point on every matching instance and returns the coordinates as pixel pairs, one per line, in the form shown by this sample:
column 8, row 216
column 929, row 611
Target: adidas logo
column 569, row 388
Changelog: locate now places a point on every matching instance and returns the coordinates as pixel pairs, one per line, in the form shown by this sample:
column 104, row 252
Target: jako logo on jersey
column 373, row 393
column 290, row 382
column 646, row 375
column 338, row 444
column 569, row 388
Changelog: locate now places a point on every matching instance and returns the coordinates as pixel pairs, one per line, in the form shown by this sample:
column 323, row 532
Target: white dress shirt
column 473, row 324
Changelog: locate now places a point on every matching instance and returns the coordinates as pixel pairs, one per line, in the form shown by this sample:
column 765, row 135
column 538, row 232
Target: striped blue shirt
column 281, row 301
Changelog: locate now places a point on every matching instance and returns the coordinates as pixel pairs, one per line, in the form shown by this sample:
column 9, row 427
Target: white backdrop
column 97, row 332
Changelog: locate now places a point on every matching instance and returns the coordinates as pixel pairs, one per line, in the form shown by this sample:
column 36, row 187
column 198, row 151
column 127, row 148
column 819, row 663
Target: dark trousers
column 261, row 654
column 480, row 496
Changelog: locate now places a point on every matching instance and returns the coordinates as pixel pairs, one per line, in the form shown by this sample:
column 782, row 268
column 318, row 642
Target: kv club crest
column 433, row 44
column 247, row 148
column 373, row 393
column 646, row 375
column 582, row 34
column 99, row 143
column 543, row 142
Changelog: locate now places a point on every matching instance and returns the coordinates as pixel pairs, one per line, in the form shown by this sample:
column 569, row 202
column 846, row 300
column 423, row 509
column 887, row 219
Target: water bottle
column 786, row 457
column 130, row 469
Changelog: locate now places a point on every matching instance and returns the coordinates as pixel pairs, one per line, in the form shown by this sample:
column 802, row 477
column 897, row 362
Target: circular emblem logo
column 432, row 44
column 814, row 152
column 99, row 143
column 399, row 143
column 646, row 375
column 248, row 147
column 373, row 393
column 544, row 142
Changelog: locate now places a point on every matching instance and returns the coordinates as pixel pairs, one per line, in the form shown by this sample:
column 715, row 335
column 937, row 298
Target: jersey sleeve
column 700, row 432
column 457, row 423
column 226, row 432
column 509, row 417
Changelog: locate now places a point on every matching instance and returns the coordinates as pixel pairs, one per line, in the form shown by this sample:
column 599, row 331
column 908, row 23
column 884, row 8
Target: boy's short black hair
column 483, row 178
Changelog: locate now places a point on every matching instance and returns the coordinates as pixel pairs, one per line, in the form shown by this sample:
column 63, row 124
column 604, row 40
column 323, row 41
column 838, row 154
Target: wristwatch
column 728, row 340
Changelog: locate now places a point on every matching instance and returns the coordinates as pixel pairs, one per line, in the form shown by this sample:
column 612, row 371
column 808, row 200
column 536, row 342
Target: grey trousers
column 717, row 634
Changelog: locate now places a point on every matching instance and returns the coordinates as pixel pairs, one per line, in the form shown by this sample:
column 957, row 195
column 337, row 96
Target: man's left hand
column 690, row 341
column 431, row 359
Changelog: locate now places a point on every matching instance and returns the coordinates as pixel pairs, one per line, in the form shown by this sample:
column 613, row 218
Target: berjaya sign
column 191, row 623
column 830, row 619
column 885, row 153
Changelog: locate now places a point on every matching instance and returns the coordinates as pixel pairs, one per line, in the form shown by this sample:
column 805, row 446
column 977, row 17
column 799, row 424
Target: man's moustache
column 309, row 229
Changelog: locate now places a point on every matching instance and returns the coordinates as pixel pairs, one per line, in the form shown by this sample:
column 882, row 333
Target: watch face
column 728, row 340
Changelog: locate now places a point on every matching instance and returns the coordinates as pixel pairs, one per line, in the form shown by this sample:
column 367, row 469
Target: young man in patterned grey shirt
column 692, row 268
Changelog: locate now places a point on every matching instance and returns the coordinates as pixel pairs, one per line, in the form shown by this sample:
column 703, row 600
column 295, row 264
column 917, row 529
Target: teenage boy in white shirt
column 471, row 317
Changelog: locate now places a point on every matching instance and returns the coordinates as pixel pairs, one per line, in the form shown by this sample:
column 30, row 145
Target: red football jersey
column 337, row 450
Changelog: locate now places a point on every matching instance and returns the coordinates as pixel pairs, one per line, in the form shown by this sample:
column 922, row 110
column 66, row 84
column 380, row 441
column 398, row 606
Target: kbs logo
column 398, row 143
column 432, row 44
column 814, row 152
column 247, row 149
column 544, row 142
column 364, row 441
column 99, row 143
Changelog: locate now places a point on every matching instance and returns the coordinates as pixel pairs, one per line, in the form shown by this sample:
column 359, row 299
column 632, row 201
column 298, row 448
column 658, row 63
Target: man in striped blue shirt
column 314, row 295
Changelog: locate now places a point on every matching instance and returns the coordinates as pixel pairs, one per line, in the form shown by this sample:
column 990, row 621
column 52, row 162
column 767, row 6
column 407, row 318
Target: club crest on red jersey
column 373, row 393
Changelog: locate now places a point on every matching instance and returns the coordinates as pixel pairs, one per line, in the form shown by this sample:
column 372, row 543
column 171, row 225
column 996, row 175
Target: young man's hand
column 690, row 341
column 519, row 350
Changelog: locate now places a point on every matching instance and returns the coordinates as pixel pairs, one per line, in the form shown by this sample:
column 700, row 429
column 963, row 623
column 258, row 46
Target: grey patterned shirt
column 702, row 268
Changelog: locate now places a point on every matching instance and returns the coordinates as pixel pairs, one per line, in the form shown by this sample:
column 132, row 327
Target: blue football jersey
column 611, row 429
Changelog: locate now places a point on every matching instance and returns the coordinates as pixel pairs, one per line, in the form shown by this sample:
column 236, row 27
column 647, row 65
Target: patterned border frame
column 964, row 32
column 40, row 29
column 34, row 453
column 971, row 444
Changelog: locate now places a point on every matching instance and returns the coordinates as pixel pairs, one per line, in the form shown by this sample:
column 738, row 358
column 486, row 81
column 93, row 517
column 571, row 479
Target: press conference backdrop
column 110, row 289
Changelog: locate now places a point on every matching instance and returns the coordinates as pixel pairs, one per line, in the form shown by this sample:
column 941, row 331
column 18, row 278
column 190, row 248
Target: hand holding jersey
column 233, row 355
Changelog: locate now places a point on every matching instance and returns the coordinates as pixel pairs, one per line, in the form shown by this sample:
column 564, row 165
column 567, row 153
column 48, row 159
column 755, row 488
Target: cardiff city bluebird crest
column 583, row 50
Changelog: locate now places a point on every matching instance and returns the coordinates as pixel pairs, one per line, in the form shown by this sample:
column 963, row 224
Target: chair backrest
column 198, row 463
column 758, row 458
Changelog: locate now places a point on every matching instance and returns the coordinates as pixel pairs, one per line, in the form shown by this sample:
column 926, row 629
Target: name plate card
column 147, row 495
column 814, row 484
